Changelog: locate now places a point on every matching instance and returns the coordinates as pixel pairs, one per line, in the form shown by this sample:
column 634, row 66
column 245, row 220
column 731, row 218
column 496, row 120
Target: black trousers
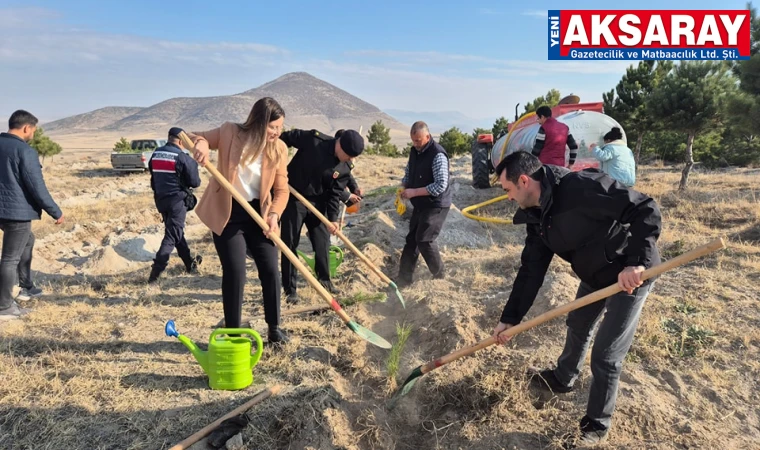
column 424, row 228
column 174, row 236
column 242, row 233
column 293, row 220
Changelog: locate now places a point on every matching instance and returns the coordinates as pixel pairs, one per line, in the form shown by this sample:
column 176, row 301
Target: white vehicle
column 137, row 159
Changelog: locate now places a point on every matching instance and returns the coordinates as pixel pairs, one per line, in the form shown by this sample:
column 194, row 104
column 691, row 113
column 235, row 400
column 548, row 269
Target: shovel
column 363, row 332
column 391, row 285
column 710, row 247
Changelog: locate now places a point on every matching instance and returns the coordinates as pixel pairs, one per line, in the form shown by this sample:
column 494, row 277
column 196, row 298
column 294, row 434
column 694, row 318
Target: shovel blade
column 406, row 387
column 368, row 335
column 393, row 289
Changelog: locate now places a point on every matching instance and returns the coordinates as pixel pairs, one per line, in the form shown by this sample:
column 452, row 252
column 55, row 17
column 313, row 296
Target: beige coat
column 215, row 207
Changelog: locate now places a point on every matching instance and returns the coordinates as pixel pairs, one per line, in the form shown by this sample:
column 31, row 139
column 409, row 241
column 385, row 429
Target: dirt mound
column 460, row 232
column 142, row 247
column 105, row 261
column 384, row 231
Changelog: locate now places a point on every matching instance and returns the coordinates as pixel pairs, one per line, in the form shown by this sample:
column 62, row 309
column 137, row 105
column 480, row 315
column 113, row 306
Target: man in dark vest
column 426, row 185
column 173, row 174
column 551, row 139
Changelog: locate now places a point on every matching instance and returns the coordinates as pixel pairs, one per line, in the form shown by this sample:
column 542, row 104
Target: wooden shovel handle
column 263, row 395
column 274, row 237
column 340, row 234
column 689, row 256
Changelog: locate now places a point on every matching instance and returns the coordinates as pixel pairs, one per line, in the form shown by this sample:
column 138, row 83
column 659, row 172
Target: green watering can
column 228, row 361
column 336, row 257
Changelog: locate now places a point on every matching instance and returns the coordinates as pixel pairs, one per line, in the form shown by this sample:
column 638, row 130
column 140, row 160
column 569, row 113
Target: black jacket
column 591, row 221
column 315, row 172
column 23, row 194
column 172, row 173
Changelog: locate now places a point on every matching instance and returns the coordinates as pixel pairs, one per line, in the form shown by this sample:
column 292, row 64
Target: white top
column 248, row 181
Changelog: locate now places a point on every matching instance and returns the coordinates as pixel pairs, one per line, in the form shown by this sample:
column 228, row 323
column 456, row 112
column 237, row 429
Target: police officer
column 354, row 193
column 173, row 174
column 320, row 171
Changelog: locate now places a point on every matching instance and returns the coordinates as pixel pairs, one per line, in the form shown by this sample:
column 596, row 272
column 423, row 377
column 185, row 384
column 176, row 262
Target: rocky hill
column 92, row 120
column 308, row 102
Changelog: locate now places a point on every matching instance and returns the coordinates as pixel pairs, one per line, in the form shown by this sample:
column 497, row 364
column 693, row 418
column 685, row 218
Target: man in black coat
column 173, row 175
column 23, row 197
column 320, row 171
column 608, row 233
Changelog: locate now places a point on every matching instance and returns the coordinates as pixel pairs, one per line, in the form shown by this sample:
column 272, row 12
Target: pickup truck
column 137, row 159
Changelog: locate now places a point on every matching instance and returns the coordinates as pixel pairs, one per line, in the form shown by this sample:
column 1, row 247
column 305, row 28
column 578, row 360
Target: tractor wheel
column 481, row 178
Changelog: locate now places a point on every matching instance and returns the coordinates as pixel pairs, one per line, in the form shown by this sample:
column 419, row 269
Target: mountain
column 440, row 121
column 92, row 120
column 308, row 103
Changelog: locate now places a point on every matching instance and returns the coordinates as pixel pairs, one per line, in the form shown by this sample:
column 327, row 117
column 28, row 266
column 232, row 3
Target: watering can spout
column 200, row 355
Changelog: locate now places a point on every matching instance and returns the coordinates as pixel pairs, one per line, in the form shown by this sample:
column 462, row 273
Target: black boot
column 292, row 298
column 277, row 336
column 194, row 263
column 327, row 284
column 154, row 274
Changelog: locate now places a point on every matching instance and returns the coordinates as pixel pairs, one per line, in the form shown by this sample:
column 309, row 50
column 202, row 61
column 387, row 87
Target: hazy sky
column 478, row 58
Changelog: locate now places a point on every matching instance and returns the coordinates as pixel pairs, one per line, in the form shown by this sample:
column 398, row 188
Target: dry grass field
column 91, row 368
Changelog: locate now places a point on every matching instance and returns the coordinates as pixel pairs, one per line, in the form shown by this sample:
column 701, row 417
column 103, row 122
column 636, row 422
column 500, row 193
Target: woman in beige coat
column 254, row 160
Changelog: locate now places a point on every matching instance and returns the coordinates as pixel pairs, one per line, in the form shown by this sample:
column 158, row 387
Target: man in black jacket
column 353, row 193
column 320, row 171
column 23, row 196
column 173, row 175
column 608, row 233
column 426, row 184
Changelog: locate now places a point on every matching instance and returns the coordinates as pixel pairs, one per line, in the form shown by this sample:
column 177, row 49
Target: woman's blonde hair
column 264, row 111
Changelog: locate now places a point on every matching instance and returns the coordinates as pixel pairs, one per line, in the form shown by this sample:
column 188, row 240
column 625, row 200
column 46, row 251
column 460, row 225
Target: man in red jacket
column 551, row 140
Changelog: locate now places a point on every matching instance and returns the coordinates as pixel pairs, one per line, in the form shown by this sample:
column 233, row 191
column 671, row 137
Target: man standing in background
column 23, row 196
column 426, row 185
column 172, row 174
column 551, row 140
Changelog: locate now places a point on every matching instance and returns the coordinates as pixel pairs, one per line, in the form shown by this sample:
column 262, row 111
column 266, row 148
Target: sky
column 477, row 58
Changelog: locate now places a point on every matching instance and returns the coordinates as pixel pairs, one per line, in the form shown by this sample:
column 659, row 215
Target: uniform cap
column 352, row 143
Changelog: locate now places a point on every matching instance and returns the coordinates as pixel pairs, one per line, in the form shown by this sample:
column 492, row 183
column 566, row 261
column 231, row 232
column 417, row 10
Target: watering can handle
column 339, row 251
column 255, row 357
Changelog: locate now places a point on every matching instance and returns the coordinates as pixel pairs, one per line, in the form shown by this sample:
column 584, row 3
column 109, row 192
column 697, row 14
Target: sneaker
column 277, row 336
column 27, row 294
column 13, row 312
column 592, row 432
column 547, row 381
column 193, row 267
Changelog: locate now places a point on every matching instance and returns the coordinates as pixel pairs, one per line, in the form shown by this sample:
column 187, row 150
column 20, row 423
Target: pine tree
column 551, row 99
column 122, row 146
column 633, row 91
column 380, row 137
column 500, row 127
column 689, row 100
column 455, row 142
column 44, row 145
